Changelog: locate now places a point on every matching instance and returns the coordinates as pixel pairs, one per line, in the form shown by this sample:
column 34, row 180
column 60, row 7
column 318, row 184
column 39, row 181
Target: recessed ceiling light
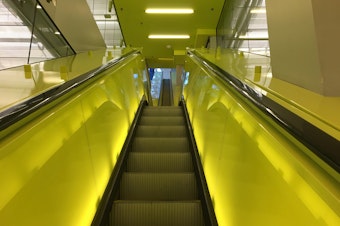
column 168, row 11
column 169, row 36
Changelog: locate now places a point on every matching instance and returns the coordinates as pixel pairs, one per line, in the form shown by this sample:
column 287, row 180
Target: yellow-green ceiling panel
column 136, row 25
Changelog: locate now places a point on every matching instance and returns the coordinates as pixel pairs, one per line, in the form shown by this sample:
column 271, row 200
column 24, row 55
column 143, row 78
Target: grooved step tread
column 131, row 213
column 162, row 111
column 158, row 186
column 159, row 162
column 162, row 107
column 161, row 131
column 156, row 120
column 156, row 144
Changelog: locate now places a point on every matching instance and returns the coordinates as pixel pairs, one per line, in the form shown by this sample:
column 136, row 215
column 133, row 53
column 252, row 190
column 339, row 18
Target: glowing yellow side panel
column 257, row 174
column 54, row 169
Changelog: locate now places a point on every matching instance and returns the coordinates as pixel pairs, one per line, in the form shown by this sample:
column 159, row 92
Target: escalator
column 91, row 151
column 159, row 184
column 166, row 95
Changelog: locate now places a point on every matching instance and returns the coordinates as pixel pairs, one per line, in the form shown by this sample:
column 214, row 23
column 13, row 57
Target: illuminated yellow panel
column 55, row 168
column 257, row 174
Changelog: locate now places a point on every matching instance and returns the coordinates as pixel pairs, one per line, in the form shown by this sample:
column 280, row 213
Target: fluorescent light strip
column 169, row 36
column 252, row 37
column 258, row 10
column 169, row 11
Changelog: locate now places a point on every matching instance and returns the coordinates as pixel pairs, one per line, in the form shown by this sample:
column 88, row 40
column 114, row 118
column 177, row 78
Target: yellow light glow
column 32, row 160
column 169, row 36
column 258, row 10
column 169, row 11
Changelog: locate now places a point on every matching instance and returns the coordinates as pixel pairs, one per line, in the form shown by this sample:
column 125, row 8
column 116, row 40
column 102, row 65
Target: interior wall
column 294, row 55
column 75, row 21
column 327, row 20
column 303, row 45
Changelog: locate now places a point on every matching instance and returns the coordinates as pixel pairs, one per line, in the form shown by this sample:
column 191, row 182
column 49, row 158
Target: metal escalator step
column 162, row 107
column 156, row 120
column 132, row 213
column 159, row 162
column 162, row 111
column 161, row 131
column 158, row 186
column 151, row 144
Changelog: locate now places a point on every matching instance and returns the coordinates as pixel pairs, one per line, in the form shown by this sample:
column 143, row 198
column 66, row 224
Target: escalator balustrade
column 159, row 185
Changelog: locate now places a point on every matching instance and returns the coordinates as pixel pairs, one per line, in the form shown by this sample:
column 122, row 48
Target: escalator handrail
column 17, row 112
column 318, row 141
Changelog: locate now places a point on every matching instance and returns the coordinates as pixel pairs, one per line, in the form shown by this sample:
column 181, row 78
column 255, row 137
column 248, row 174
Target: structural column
column 304, row 41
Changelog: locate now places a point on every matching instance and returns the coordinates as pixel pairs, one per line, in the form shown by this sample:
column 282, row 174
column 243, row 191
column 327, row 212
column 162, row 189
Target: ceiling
column 107, row 22
column 136, row 26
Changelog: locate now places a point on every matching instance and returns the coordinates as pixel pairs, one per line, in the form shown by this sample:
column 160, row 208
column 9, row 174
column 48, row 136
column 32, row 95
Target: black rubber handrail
column 14, row 114
column 318, row 141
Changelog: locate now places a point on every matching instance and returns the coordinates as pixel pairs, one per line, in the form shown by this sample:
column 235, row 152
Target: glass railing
column 28, row 35
column 243, row 26
column 25, row 82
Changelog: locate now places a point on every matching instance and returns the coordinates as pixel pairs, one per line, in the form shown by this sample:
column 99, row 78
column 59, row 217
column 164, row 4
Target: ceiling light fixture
column 253, row 37
column 168, row 11
column 169, row 36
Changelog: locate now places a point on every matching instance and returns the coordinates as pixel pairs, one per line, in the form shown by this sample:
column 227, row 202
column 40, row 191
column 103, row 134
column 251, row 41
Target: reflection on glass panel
column 28, row 35
column 243, row 26
column 47, row 38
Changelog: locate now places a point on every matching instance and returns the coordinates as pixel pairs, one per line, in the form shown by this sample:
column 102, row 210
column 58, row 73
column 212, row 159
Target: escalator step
column 155, row 120
column 158, row 186
column 151, row 144
column 162, row 111
column 132, row 213
column 161, row 131
column 159, row 162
